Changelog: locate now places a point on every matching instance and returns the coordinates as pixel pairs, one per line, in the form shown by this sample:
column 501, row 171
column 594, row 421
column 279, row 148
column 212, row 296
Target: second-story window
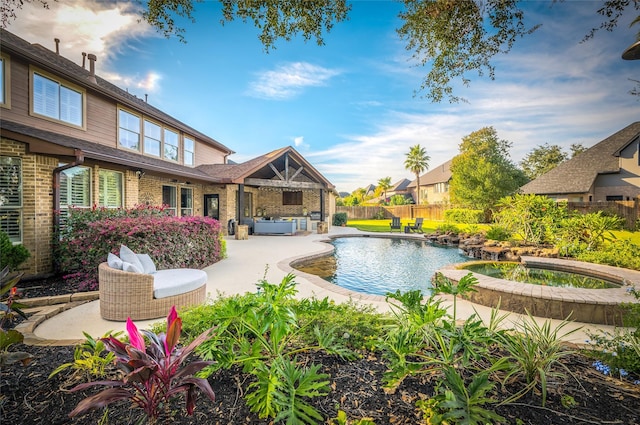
column 171, row 145
column 128, row 130
column 152, row 138
column 53, row 99
column 189, row 151
column 5, row 82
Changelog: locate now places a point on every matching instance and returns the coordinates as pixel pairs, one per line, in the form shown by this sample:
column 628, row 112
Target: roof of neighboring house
column 54, row 62
column 369, row 189
column 400, row 185
column 439, row 174
column 578, row 174
column 259, row 167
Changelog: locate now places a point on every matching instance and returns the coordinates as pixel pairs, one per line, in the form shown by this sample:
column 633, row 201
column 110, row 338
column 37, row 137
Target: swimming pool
column 376, row 265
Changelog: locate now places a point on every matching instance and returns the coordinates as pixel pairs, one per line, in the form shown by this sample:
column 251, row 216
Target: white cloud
column 105, row 29
column 289, row 80
column 298, row 142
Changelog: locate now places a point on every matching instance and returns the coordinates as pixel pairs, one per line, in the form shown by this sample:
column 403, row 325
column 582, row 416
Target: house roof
column 439, row 174
column 53, row 62
column 260, row 168
column 578, row 174
column 400, row 185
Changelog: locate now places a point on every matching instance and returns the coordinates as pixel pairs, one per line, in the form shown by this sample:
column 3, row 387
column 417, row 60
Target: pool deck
column 62, row 320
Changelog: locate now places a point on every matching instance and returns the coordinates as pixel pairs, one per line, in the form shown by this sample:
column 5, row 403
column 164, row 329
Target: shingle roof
column 439, row 174
column 400, row 185
column 579, row 173
column 258, row 167
column 54, row 62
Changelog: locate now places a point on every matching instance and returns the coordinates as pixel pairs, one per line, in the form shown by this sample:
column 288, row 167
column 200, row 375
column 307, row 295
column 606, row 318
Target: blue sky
column 349, row 106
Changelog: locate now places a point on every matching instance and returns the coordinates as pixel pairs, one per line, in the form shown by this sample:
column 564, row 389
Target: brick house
column 72, row 139
column 608, row 171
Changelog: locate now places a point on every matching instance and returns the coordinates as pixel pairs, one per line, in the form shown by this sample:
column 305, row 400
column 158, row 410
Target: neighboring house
column 71, row 139
column 369, row 190
column 434, row 185
column 400, row 188
column 608, row 171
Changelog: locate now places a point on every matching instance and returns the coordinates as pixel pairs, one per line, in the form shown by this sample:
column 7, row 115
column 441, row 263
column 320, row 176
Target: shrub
column 535, row 219
column 464, row 215
column 619, row 253
column 11, row 255
column 379, row 215
column 192, row 242
column 586, row 232
column 498, row 233
column 339, row 219
column 448, row 228
column 398, row 200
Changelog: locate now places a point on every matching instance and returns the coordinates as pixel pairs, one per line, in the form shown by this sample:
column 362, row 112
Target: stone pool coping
column 600, row 306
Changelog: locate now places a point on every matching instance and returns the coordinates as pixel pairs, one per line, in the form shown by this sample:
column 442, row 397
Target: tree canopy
column 384, row 184
column 417, row 162
column 483, row 172
column 452, row 37
column 542, row 159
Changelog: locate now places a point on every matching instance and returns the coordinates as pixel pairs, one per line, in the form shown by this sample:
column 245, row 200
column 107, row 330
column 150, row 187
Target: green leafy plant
column 340, row 219
column 11, row 256
column 466, row 404
column 448, row 228
column 90, row 358
column 153, row 373
column 262, row 333
column 9, row 308
column 444, row 285
column 341, row 419
column 535, row 354
column 533, row 218
column 464, row 215
column 618, row 253
column 586, row 232
column 498, row 233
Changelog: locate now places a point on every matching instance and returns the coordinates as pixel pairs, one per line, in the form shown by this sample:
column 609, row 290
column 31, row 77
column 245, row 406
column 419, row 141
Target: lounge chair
column 395, row 223
column 417, row 226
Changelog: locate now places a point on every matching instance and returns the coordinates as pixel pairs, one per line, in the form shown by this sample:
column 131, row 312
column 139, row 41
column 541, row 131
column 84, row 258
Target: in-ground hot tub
column 600, row 306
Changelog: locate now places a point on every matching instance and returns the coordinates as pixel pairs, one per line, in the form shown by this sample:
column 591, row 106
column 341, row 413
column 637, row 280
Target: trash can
column 231, row 227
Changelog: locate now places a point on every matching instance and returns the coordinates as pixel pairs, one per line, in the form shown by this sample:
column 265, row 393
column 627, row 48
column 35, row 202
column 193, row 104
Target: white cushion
column 129, row 256
column 167, row 283
column 128, row 267
column 114, row 261
column 147, row 263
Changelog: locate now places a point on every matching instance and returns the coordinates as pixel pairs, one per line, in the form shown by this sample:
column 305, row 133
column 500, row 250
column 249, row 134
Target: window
column 186, row 201
column 75, row 190
column 111, row 189
column 55, row 100
column 5, row 82
column 615, row 198
column 292, row 198
column 171, row 144
column 441, row 187
column 169, row 199
column 152, row 138
column 11, row 197
column 188, row 153
column 128, row 130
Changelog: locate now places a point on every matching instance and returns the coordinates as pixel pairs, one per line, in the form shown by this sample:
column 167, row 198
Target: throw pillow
column 114, row 261
column 147, row 263
column 128, row 267
column 129, row 256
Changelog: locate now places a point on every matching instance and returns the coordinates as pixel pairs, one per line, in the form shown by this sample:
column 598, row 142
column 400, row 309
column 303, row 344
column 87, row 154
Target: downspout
column 56, row 189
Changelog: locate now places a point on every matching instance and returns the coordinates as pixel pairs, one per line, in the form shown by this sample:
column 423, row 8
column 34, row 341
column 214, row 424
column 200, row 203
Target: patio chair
column 395, row 223
column 417, row 226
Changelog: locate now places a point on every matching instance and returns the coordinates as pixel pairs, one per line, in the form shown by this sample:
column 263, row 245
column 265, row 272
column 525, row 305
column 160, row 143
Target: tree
column 542, row 159
column 384, row 184
column 483, row 173
column 453, row 37
column 576, row 148
column 417, row 162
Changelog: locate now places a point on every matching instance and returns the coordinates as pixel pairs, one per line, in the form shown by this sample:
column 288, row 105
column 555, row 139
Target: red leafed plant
column 153, row 373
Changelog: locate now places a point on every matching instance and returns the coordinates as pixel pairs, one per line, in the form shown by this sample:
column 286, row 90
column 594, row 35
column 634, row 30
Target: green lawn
column 384, row 225
column 431, row 225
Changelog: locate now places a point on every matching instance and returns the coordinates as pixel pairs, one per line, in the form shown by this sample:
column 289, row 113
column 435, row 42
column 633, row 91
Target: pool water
column 379, row 265
column 520, row 273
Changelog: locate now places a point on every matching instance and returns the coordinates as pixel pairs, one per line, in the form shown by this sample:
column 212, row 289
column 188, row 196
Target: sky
column 350, row 107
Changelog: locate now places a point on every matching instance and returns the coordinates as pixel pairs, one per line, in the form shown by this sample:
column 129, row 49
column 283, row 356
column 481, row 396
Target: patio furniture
column 417, row 226
column 275, row 227
column 144, row 296
column 395, row 223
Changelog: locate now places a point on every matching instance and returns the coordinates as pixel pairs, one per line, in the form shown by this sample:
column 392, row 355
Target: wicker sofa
column 125, row 294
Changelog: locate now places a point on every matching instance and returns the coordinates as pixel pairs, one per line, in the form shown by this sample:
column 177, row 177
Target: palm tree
column 384, row 184
column 417, row 162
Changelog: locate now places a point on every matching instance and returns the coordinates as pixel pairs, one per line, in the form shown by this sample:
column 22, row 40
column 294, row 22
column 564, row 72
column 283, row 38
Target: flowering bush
column 172, row 242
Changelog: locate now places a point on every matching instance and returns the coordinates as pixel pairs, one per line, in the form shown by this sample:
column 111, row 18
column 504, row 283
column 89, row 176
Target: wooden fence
column 628, row 210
